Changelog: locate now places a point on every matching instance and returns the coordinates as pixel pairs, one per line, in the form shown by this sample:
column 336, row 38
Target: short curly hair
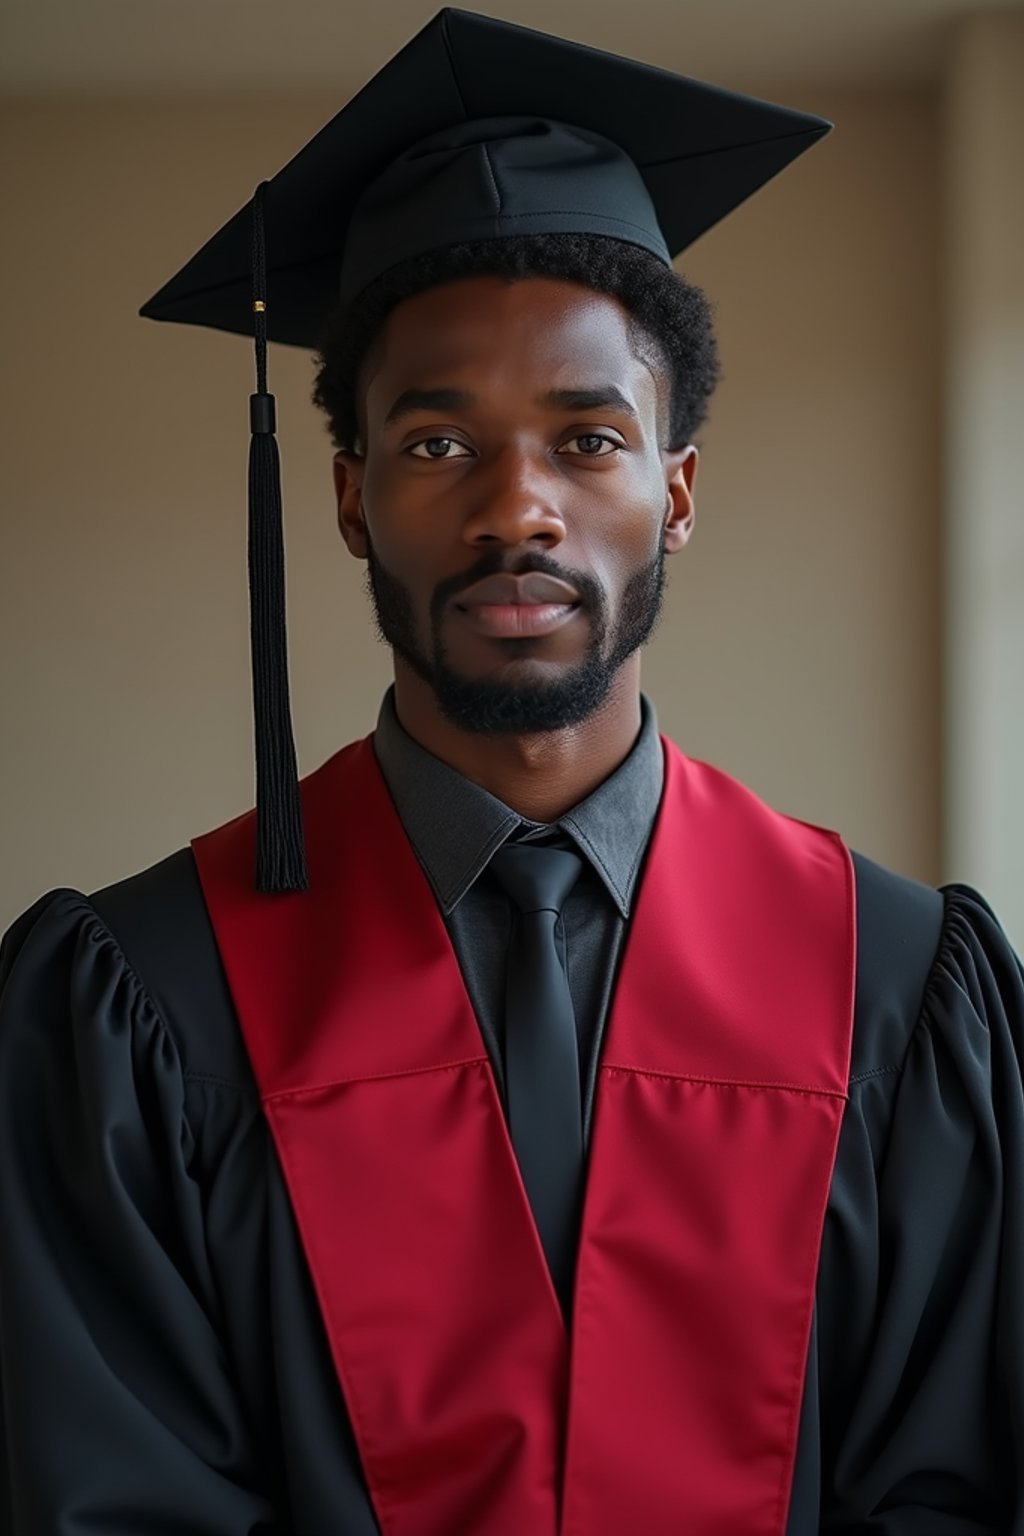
column 667, row 314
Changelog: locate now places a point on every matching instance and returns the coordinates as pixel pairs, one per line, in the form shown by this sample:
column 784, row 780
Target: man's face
column 512, row 498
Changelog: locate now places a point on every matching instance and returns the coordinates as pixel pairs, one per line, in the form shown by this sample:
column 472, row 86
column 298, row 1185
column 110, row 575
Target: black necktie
column 541, row 1055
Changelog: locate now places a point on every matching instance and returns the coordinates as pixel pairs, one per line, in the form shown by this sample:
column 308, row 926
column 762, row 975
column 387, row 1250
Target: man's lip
column 516, row 621
column 511, row 591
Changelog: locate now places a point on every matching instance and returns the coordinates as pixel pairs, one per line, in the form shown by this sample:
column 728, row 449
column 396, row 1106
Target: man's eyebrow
column 428, row 400
column 600, row 398
column 589, row 400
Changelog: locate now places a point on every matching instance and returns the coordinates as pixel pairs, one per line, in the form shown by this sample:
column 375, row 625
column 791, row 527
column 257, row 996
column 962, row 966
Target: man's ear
column 680, row 512
column 348, row 489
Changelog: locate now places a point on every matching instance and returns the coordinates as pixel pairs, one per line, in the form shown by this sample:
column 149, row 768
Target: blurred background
column 845, row 631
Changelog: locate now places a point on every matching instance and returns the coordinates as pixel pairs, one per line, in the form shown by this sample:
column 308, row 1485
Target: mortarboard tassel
column 280, row 854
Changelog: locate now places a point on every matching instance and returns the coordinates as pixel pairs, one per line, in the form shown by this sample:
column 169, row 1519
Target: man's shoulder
column 159, row 920
column 899, row 932
column 898, row 927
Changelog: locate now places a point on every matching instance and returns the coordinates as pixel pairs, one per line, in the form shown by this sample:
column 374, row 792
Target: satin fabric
column 715, row 1131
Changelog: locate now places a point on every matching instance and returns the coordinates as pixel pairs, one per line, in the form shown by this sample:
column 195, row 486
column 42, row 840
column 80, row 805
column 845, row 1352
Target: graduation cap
column 475, row 130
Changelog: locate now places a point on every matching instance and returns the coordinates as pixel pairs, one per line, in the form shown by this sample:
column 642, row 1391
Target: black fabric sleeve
column 119, row 1409
column 920, row 1326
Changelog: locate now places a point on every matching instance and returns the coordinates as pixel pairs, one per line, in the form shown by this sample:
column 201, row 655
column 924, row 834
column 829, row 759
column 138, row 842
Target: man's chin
column 523, row 702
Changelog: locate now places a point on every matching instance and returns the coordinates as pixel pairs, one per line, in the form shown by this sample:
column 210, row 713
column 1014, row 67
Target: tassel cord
column 280, row 853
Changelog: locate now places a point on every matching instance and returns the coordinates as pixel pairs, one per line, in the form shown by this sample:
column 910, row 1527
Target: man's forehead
column 579, row 337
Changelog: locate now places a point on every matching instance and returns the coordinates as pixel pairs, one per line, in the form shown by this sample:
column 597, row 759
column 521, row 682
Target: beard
column 495, row 706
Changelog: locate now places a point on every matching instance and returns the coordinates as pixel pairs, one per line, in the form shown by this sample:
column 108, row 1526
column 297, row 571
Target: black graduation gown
column 164, row 1368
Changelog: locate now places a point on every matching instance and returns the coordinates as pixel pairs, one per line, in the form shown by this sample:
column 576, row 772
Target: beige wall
column 800, row 645
column 984, row 458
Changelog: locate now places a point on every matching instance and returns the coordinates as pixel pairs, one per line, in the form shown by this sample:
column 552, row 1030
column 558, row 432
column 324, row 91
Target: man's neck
column 540, row 776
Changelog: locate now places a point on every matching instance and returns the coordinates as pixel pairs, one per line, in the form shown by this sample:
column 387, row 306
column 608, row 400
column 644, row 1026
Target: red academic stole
column 673, row 1406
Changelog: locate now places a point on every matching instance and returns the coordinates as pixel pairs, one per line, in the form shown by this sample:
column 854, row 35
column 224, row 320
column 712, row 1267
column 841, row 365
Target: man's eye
column 593, row 445
column 438, row 448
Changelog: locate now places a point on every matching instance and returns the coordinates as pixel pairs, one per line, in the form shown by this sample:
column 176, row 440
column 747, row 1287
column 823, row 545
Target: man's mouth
column 517, row 607
column 512, row 621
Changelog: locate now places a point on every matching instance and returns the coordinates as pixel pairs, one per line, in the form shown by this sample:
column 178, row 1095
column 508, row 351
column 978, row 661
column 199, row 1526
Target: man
column 558, row 1140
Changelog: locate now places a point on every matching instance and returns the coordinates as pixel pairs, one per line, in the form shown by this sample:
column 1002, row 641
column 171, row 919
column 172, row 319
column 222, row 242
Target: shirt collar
column 454, row 825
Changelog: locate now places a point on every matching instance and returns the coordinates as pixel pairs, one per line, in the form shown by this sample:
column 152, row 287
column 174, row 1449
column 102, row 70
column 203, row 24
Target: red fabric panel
column 741, row 958
column 703, row 1219
column 717, row 1115
column 366, row 941
column 444, row 1327
column 446, row 1332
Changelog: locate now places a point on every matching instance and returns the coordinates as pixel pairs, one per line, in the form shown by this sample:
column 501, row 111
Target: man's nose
column 515, row 502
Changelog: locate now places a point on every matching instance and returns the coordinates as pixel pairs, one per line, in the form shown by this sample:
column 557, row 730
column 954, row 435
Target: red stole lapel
column 675, row 1404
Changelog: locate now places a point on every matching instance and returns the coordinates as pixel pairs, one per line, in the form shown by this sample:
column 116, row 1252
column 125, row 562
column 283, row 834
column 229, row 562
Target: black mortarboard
column 476, row 130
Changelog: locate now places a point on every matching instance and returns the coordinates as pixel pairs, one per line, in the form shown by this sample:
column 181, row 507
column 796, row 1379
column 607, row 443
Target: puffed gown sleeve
column 920, row 1319
column 119, row 1412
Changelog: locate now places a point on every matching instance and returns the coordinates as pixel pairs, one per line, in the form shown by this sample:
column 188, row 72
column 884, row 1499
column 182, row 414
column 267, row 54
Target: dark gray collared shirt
column 455, row 827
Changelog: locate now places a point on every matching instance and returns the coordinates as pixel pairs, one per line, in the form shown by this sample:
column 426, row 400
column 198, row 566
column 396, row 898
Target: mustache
column 497, row 563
